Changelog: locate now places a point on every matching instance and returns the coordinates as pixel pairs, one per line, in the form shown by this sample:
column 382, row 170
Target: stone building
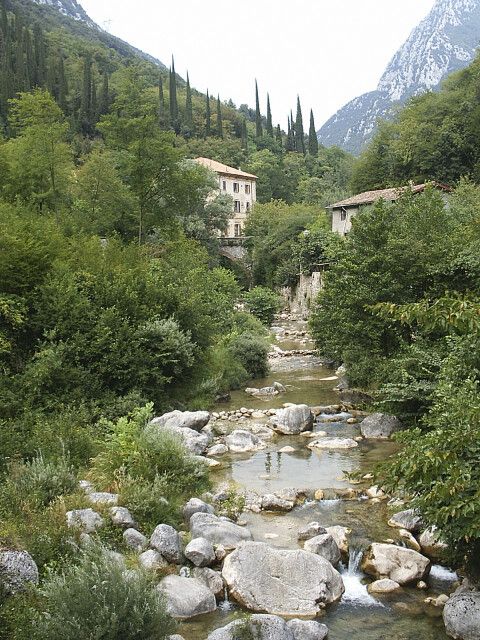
column 344, row 211
column 241, row 186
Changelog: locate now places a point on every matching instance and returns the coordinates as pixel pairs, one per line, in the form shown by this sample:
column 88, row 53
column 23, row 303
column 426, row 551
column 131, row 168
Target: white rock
column 166, row 540
column 134, row 539
column 200, row 552
column 87, row 520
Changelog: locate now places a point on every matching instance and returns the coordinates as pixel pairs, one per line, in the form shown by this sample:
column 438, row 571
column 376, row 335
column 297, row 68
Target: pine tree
column 174, row 120
column 299, row 133
column 208, row 117
column 278, row 135
column 258, row 115
column 62, row 83
column 244, row 135
column 219, row 119
column 312, row 137
column 269, row 118
column 189, row 129
column 162, row 114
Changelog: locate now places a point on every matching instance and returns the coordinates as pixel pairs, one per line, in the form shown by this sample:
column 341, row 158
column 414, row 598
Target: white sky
column 337, row 50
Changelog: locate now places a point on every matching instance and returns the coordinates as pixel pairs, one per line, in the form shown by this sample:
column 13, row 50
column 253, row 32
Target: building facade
column 241, row 186
column 343, row 212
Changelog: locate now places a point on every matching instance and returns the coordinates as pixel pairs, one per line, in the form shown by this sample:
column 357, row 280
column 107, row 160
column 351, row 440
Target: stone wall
column 300, row 298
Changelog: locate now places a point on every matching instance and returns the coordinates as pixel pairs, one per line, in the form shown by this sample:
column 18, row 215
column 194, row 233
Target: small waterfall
column 225, row 604
column 443, row 574
column 355, row 591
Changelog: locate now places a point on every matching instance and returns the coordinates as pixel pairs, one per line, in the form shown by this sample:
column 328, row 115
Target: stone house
column 344, row 211
column 241, row 186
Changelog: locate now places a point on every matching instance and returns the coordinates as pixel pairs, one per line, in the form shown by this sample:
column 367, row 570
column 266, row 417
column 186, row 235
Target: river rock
column 311, row 530
column 151, row 560
column 200, row 552
column 268, row 627
column 211, row 579
column 333, row 443
column 134, row 539
column 218, row 531
column 307, row 629
column 121, row 517
column 340, row 535
column 186, row 597
column 17, row 570
column 431, row 545
column 195, row 442
column 166, row 540
column 263, row 392
column 293, row 420
column 175, row 636
column 325, row 546
column 461, row 616
column 217, row 450
column 383, row 586
column 271, row 502
column 410, row 540
column 380, row 426
column 408, row 519
column 282, row 582
column 195, row 505
column 241, row 441
column 87, row 520
column 397, row 563
column 195, row 420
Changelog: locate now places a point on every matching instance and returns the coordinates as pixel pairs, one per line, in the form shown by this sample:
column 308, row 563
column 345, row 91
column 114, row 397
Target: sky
column 326, row 51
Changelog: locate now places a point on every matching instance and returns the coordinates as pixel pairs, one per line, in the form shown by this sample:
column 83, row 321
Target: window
column 237, row 206
column 236, row 187
column 238, row 230
column 247, row 206
column 247, row 189
column 224, row 185
column 343, row 214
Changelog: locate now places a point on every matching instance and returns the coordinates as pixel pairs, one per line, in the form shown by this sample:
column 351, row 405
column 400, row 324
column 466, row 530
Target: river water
column 402, row 615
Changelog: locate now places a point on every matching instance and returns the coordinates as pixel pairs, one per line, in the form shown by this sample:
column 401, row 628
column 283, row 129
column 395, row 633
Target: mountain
column 445, row 41
column 69, row 8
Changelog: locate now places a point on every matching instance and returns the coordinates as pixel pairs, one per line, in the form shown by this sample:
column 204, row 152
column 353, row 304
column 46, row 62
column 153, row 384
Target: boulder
column 166, row 540
column 195, row 505
column 340, row 535
column 217, row 450
column 263, row 392
column 103, row 498
column 383, row 586
column 397, row 563
column 186, row 597
column 271, row 502
column 408, row 519
column 282, row 582
column 175, row 636
column 241, row 441
column 380, row 426
column 218, row 531
column 195, row 442
column 134, row 539
column 430, row 543
column 195, row 420
column 333, row 443
column 121, row 517
column 87, row 520
column 17, row 570
column 152, row 560
column 293, row 420
column 211, row 579
column 461, row 616
column 410, row 540
column 325, row 546
column 307, row 629
column 200, row 552
column 311, row 530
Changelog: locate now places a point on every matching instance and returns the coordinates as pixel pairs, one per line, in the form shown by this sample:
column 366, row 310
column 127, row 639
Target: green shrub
column 148, row 503
column 263, row 303
column 252, row 352
column 98, row 599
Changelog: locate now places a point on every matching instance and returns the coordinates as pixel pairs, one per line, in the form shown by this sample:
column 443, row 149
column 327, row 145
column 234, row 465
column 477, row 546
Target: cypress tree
column 30, row 63
column 86, row 100
column 219, row 118
column 174, row 121
column 244, row 134
column 278, row 135
column 299, row 133
column 269, row 118
column 162, row 115
column 4, row 19
column 20, row 75
column 104, row 99
column 62, row 84
column 3, row 77
column 290, row 143
column 312, row 137
column 188, row 110
column 40, row 55
column 208, row 117
column 94, row 104
column 258, row 115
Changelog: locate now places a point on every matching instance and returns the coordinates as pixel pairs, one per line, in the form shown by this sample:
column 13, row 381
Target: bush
column 99, row 599
column 263, row 303
column 252, row 352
